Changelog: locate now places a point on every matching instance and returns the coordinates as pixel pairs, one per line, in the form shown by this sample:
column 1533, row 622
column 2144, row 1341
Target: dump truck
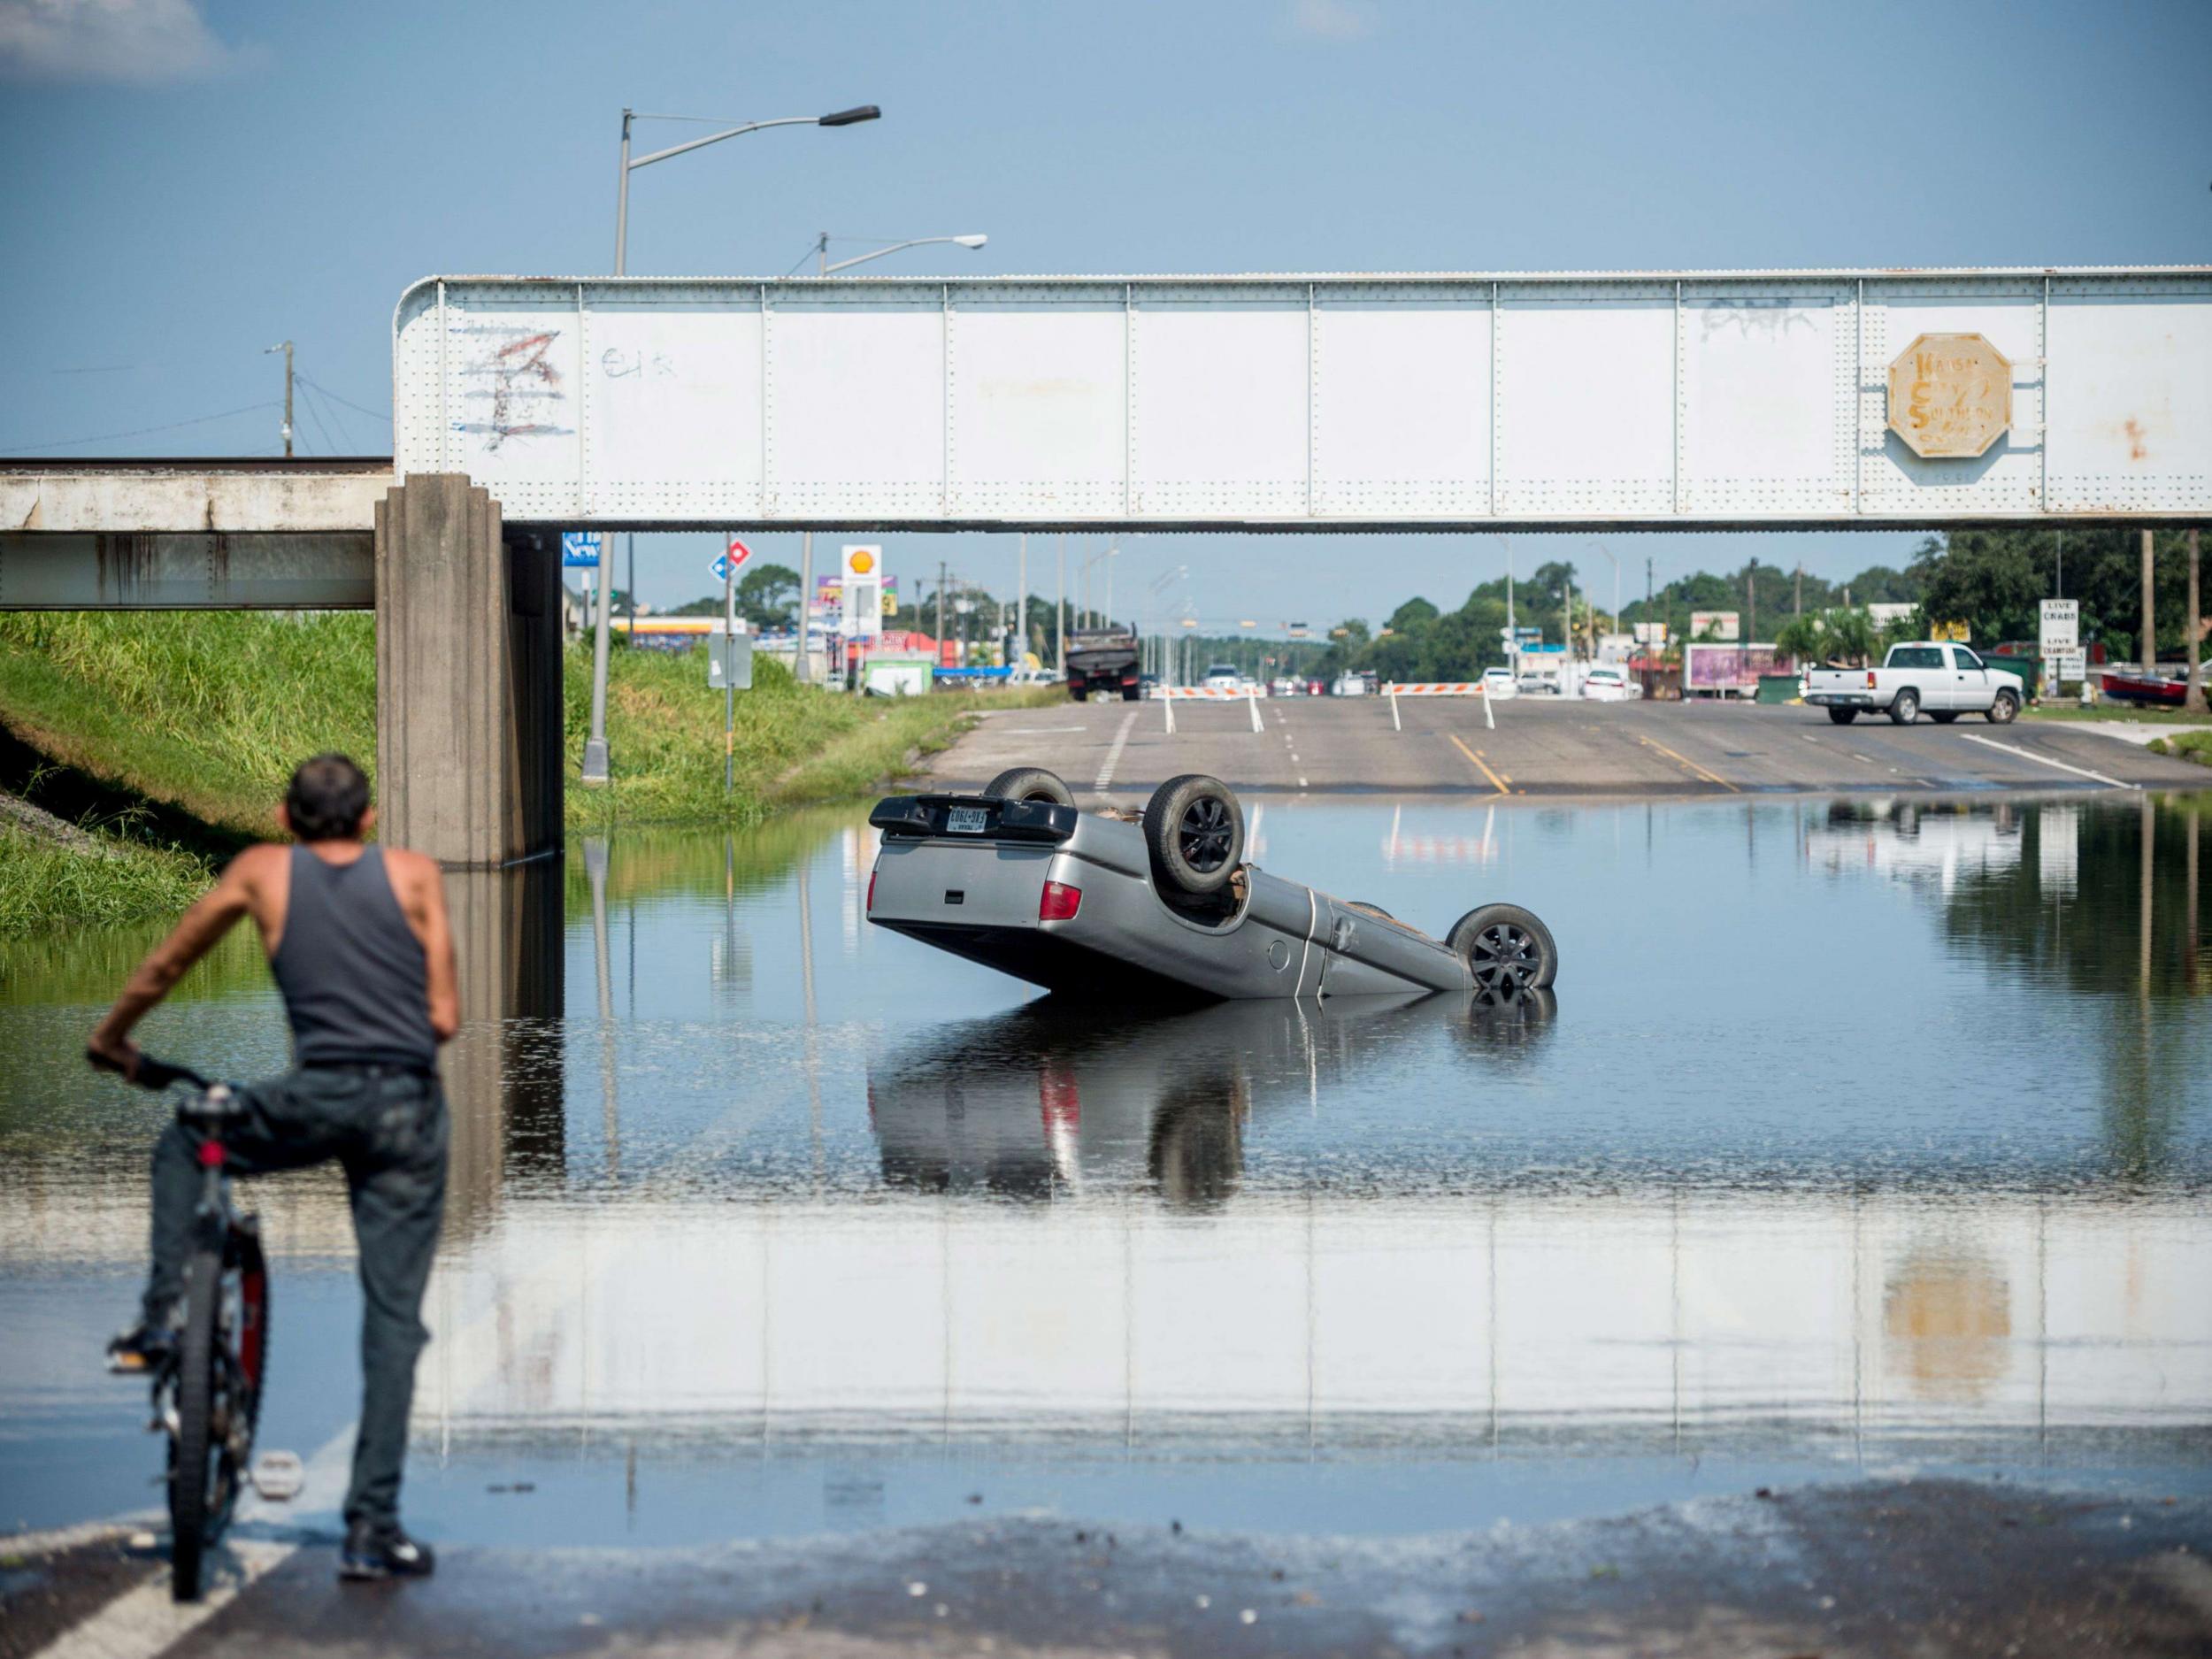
column 1103, row 662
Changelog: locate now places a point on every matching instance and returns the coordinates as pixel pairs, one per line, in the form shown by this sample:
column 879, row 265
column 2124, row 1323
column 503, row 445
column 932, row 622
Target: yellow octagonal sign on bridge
column 1950, row 397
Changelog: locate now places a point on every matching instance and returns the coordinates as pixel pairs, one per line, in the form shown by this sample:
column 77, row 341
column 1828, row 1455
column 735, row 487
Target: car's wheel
column 2005, row 710
column 1130, row 694
column 1843, row 717
column 1509, row 951
column 1904, row 708
column 1078, row 692
column 1194, row 831
column 1365, row 909
column 1029, row 783
column 1943, row 717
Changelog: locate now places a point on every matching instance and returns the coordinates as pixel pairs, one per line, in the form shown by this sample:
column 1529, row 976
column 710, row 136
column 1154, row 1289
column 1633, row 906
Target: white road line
column 1113, row 753
column 1301, row 783
column 2045, row 760
column 1037, row 731
column 144, row 1621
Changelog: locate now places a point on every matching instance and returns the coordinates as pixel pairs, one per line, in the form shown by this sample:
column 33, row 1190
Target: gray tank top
column 355, row 981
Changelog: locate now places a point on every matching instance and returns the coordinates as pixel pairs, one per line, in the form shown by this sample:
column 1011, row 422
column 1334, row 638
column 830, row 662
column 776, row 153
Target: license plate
column 966, row 821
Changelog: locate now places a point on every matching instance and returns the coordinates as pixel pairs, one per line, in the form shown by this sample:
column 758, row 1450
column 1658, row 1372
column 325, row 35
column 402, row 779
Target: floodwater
column 1862, row 1136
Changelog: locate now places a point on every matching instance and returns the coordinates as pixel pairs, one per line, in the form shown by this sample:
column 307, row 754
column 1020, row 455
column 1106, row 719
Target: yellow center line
column 1685, row 760
column 1497, row 781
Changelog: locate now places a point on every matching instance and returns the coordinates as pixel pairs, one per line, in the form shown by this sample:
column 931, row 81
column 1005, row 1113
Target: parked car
column 1537, row 684
column 1498, row 683
column 1283, row 687
column 1114, row 904
column 1944, row 679
column 1348, row 686
column 1222, row 677
column 1609, row 682
column 1315, row 688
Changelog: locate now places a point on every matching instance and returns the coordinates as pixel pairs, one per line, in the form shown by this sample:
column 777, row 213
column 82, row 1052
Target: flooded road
column 1862, row 1136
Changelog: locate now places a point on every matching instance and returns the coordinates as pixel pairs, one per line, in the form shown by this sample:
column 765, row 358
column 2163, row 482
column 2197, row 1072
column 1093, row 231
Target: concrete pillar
column 468, row 671
column 503, row 1072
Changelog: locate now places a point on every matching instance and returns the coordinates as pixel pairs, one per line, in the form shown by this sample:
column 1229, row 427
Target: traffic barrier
column 1394, row 689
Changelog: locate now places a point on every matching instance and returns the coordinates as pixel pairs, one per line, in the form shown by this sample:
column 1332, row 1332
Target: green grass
column 44, row 886
column 172, row 734
column 2195, row 746
column 206, row 711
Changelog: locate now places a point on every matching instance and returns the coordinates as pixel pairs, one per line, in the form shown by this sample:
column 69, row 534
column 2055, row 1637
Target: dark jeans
column 387, row 1129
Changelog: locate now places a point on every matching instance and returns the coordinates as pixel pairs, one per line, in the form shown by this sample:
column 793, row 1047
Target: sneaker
column 145, row 1347
column 373, row 1552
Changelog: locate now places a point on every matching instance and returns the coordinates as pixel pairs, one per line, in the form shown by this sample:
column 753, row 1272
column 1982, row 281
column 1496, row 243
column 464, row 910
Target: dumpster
column 1780, row 688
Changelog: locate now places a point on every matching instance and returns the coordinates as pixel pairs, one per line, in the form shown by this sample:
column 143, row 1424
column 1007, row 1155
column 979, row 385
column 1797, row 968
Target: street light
column 594, row 768
column 823, row 267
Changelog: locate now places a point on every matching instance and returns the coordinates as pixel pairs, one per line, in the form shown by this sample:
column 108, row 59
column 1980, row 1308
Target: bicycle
column 207, row 1392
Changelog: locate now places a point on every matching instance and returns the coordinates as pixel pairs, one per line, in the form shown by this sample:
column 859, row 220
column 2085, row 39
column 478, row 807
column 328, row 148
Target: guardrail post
column 1252, row 701
column 1488, row 719
column 1396, row 724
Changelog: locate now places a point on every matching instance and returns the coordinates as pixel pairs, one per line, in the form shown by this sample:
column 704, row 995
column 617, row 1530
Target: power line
column 347, row 402
column 139, row 431
column 314, row 400
column 309, row 404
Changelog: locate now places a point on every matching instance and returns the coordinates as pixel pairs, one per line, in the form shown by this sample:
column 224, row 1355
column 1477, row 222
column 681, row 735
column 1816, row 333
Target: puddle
column 1862, row 1136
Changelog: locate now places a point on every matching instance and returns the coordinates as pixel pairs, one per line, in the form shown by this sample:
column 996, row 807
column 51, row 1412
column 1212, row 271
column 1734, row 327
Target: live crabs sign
column 1950, row 397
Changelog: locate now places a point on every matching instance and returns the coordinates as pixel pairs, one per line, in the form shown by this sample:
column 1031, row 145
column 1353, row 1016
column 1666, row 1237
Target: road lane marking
column 1113, row 753
column 144, row 1621
column 2045, row 760
column 1498, row 782
column 1685, row 760
column 1036, row 731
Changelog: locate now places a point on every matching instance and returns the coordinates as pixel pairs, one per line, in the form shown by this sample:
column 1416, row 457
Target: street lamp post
column 595, row 769
column 823, row 267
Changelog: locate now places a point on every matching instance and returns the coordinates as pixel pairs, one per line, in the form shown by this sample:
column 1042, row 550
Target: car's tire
column 1365, row 909
column 1130, row 694
column 2005, row 710
column 1509, row 949
column 1843, row 717
column 1079, row 692
column 1029, row 783
column 1943, row 717
column 1194, row 831
column 1904, row 708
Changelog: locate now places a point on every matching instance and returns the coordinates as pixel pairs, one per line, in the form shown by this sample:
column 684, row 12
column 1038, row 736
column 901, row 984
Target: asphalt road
column 1539, row 745
column 1890, row 1567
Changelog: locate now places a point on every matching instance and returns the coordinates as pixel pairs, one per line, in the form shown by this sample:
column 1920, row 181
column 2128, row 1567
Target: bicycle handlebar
column 152, row 1073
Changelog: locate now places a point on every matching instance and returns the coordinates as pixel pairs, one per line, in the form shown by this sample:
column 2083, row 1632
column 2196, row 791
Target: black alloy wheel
column 1204, row 834
column 1508, row 950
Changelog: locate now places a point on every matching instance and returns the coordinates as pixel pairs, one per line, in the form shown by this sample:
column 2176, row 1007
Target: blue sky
column 190, row 181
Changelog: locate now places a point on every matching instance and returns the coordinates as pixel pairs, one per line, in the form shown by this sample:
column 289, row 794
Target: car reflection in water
column 1057, row 1097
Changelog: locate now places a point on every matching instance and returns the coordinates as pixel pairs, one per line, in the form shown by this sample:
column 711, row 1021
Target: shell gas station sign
column 1950, row 397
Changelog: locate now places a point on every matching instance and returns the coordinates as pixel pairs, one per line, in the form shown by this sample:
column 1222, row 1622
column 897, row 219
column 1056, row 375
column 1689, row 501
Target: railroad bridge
column 1449, row 402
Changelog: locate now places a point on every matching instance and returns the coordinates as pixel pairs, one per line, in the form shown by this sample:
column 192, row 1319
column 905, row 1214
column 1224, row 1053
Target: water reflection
column 1848, row 1120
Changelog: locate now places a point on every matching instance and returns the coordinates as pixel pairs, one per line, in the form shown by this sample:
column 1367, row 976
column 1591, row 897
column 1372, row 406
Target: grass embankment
column 2195, row 746
column 169, row 737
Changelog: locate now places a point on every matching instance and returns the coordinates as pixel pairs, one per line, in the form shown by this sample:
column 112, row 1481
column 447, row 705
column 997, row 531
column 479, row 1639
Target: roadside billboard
column 1719, row 624
column 1710, row 670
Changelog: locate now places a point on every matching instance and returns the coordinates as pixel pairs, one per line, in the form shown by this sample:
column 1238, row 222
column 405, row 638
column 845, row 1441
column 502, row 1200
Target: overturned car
column 1018, row 878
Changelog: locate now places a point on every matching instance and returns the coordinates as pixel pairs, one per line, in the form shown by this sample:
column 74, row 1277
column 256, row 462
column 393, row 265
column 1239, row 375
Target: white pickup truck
column 1927, row 676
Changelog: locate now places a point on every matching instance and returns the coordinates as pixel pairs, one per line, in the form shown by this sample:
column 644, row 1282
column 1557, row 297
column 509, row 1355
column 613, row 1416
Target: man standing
column 360, row 946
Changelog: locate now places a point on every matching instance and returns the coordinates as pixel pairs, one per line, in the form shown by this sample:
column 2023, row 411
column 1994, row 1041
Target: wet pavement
column 1862, row 1157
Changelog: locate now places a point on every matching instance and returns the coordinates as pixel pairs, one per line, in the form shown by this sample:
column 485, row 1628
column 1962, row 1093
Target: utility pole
column 1797, row 600
column 1060, row 614
column 1021, row 601
column 941, row 611
column 806, row 605
column 2150, row 618
column 729, row 667
column 1751, row 613
column 286, row 347
column 1647, row 646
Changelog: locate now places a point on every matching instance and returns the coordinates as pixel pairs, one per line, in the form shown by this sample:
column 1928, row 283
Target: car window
column 1965, row 658
column 1916, row 656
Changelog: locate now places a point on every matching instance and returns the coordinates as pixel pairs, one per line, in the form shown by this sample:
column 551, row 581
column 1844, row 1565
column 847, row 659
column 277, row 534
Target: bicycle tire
column 254, row 1306
column 189, row 1450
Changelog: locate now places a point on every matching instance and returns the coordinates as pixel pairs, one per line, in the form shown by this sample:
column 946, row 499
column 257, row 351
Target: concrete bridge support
column 468, row 669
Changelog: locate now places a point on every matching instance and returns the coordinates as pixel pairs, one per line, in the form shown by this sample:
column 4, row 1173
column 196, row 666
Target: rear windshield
column 1916, row 656
column 1221, row 671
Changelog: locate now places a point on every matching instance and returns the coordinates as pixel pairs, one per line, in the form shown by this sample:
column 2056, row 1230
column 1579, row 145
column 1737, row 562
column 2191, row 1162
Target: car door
column 1968, row 681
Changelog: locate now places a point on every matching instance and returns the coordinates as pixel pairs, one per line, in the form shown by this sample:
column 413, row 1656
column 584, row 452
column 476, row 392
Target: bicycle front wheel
column 199, row 1474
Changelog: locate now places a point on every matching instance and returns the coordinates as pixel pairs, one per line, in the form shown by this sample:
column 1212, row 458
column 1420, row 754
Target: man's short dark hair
column 327, row 799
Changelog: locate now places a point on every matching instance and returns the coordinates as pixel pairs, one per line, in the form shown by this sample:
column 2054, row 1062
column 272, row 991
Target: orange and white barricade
column 1395, row 689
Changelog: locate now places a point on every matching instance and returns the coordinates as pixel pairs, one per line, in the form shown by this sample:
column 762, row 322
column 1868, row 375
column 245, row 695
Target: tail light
column 1059, row 902
column 870, row 905
column 1869, row 680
